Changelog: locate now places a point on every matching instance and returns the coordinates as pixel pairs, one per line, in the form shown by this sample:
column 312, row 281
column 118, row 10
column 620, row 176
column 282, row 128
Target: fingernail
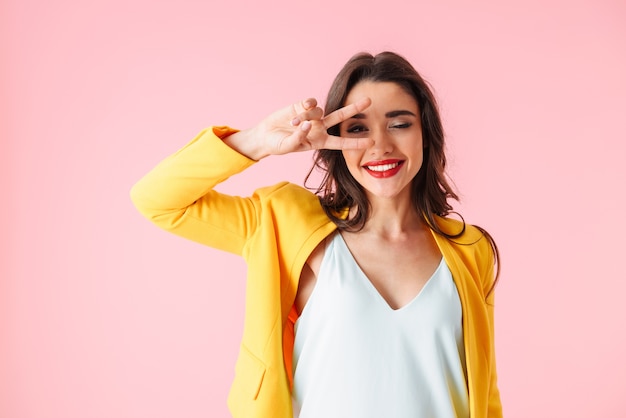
column 306, row 126
column 295, row 121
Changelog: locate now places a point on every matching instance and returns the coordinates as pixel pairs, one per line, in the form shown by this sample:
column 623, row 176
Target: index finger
column 343, row 143
column 346, row 112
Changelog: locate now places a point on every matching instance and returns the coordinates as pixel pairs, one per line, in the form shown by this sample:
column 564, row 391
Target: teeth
column 383, row 167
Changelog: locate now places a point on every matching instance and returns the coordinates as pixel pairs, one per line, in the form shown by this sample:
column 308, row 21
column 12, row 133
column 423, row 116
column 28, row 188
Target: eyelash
column 361, row 128
column 356, row 129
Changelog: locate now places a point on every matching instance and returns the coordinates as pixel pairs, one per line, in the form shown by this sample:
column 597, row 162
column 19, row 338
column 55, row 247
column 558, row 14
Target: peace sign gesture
column 299, row 127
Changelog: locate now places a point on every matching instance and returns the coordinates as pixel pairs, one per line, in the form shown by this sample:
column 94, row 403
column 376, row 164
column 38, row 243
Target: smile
column 384, row 168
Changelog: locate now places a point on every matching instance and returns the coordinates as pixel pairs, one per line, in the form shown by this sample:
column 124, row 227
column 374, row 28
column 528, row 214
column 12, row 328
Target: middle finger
column 346, row 112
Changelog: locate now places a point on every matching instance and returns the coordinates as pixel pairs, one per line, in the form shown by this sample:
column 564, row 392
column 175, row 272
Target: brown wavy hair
column 430, row 188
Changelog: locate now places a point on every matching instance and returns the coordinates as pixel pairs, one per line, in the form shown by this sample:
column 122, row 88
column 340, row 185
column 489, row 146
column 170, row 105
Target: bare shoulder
column 308, row 276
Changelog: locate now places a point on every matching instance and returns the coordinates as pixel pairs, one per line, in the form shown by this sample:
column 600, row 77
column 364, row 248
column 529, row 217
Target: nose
column 383, row 143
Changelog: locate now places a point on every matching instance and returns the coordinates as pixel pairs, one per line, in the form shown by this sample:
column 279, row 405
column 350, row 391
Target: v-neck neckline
column 373, row 288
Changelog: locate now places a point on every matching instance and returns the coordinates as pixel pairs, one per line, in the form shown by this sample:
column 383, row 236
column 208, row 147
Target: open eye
column 353, row 129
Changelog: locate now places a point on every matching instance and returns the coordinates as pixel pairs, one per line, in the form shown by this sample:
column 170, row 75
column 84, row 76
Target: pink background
column 104, row 315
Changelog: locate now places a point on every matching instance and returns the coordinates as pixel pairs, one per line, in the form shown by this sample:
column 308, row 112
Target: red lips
column 383, row 168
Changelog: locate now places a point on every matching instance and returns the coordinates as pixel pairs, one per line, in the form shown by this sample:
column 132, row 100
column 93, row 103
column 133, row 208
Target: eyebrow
column 391, row 114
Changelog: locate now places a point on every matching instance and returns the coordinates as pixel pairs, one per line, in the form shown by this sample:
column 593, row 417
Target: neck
column 392, row 218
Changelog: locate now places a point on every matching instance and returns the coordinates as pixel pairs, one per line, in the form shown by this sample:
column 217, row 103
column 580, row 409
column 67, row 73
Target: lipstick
column 383, row 168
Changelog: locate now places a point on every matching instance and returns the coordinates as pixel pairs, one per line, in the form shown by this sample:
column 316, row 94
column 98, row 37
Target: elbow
column 143, row 203
column 164, row 217
column 137, row 199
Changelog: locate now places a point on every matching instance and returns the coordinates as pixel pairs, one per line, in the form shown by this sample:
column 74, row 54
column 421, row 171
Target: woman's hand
column 299, row 127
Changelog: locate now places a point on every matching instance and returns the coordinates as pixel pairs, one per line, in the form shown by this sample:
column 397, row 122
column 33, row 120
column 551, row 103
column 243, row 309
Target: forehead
column 385, row 95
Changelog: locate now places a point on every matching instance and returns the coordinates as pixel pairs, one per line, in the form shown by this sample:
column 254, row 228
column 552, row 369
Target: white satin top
column 355, row 356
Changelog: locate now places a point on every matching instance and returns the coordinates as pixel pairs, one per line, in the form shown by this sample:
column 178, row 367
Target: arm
column 178, row 194
column 494, row 404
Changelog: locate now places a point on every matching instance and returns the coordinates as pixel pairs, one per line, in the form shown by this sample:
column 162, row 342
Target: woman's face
column 386, row 169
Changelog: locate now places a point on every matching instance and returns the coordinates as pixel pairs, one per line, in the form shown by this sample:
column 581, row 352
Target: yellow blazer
column 275, row 230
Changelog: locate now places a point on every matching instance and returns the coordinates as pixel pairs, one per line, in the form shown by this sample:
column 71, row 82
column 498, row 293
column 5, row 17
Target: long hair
column 430, row 188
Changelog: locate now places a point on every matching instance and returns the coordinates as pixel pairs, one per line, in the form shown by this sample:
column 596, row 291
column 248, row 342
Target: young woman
column 363, row 299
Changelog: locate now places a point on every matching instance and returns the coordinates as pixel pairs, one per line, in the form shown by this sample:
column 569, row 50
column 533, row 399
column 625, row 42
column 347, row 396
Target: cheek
column 352, row 157
column 353, row 162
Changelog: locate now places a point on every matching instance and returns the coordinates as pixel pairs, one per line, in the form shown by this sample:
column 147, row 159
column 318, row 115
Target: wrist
column 245, row 143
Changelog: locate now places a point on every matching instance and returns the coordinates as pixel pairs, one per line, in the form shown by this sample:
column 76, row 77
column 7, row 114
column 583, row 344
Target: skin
column 380, row 122
column 392, row 122
column 299, row 127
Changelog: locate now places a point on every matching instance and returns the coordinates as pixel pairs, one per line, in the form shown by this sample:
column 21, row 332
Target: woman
column 364, row 301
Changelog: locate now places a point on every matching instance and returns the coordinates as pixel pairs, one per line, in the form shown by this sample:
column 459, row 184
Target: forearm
column 185, row 176
column 247, row 144
column 177, row 194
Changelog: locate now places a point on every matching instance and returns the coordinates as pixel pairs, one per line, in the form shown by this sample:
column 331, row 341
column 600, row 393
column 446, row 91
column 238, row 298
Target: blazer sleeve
column 494, row 403
column 178, row 194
